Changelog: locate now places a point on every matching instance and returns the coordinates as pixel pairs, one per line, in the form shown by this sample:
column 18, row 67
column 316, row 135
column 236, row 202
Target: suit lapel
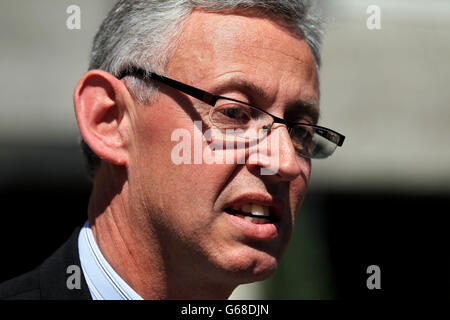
column 57, row 275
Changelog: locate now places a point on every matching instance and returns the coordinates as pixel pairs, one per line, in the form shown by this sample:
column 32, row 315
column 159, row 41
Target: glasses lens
column 239, row 119
column 313, row 142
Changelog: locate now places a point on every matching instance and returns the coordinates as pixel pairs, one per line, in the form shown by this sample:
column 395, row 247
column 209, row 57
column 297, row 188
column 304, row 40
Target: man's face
column 187, row 206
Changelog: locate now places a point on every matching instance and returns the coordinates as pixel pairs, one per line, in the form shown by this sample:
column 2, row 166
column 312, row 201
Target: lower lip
column 266, row 231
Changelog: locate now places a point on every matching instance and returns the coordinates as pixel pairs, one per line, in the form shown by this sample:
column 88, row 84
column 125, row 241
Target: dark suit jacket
column 49, row 280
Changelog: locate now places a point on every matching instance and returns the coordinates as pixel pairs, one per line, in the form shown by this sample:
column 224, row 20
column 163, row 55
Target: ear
column 101, row 104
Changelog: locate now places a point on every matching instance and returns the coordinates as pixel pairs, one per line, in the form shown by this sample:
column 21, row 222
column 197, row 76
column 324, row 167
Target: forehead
column 214, row 45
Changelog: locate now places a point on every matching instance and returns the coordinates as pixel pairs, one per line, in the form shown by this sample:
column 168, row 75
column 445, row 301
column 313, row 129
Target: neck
column 130, row 244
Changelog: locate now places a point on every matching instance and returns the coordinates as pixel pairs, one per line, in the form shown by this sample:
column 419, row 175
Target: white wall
column 387, row 90
column 41, row 61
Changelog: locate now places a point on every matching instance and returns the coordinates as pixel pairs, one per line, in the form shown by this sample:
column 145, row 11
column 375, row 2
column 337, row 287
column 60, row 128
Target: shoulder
column 49, row 280
column 25, row 286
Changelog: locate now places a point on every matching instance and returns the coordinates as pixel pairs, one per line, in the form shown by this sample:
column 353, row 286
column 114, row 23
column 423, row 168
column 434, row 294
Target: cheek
column 297, row 195
column 186, row 188
column 200, row 186
column 299, row 186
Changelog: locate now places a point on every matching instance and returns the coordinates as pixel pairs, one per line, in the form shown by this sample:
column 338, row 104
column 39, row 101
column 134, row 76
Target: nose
column 275, row 155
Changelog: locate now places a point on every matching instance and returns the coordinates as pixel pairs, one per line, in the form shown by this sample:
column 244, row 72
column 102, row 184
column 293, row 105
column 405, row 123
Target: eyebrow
column 305, row 108
column 244, row 86
column 300, row 106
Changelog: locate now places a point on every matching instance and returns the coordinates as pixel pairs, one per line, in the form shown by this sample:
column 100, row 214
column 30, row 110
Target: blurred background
column 383, row 199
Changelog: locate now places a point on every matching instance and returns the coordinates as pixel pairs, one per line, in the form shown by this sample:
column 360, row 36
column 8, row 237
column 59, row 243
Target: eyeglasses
column 230, row 115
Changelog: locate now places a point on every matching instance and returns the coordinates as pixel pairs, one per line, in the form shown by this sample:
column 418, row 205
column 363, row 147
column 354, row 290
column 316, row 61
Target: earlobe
column 100, row 102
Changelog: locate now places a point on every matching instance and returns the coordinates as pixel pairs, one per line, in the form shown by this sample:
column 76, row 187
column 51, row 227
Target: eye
column 302, row 139
column 232, row 114
column 302, row 133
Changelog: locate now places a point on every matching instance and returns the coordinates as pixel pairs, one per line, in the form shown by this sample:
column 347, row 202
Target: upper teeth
column 254, row 209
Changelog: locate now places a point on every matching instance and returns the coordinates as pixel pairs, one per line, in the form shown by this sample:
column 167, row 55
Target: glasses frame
column 211, row 99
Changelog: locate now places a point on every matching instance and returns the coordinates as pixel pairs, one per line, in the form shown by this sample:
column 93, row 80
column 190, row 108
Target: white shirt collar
column 103, row 282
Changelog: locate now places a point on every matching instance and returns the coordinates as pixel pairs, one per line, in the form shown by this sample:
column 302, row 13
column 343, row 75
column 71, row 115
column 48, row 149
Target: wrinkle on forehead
column 214, row 43
column 236, row 29
column 241, row 16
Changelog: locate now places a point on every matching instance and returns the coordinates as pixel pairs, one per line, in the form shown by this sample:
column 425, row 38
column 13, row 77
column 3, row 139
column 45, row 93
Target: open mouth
column 252, row 212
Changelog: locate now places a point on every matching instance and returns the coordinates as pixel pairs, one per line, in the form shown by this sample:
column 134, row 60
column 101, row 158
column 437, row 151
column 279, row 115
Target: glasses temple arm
column 185, row 88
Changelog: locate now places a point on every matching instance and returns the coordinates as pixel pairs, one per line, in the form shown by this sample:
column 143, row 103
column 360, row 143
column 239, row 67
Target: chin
column 251, row 265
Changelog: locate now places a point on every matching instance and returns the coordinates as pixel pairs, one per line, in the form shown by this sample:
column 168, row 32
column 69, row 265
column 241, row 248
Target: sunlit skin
column 162, row 226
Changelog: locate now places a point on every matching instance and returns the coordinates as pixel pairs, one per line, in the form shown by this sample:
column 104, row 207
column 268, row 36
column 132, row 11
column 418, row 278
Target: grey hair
column 144, row 33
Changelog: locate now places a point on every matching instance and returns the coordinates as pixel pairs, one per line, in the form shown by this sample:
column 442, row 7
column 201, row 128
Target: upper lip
column 275, row 205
